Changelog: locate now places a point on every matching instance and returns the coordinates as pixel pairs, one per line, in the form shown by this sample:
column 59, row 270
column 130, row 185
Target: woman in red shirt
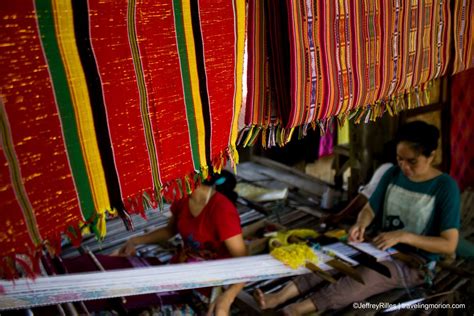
column 209, row 225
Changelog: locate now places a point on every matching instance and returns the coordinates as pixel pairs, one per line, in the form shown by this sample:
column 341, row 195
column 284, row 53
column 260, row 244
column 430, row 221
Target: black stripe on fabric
column 198, row 45
column 278, row 45
column 81, row 32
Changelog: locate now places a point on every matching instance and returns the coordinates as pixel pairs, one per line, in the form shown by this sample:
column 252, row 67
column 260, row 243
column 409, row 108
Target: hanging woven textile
column 462, row 120
column 52, row 177
column 267, row 96
column 169, row 95
column 463, row 30
column 260, row 116
column 361, row 53
column 326, row 143
column 353, row 59
column 110, row 106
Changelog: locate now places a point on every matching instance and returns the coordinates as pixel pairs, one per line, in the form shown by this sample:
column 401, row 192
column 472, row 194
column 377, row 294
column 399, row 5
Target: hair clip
column 220, row 181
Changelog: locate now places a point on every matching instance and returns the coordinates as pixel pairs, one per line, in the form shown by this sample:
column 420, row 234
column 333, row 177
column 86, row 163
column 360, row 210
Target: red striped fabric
column 14, row 237
column 217, row 26
column 133, row 99
column 462, row 133
column 32, row 143
column 170, row 100
column 260, row 104
column 112, row 53
column 161, row 66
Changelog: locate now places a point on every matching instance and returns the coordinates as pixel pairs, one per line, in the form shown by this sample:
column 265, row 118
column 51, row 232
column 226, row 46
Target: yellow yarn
column 294, row 255
column 281, row 238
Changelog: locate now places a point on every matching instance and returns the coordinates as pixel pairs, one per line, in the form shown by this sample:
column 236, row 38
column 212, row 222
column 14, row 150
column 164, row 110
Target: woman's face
column 413, row 165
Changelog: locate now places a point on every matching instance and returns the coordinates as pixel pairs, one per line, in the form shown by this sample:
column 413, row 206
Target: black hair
column 224, row 183
column 422, row 137
column 388, row 154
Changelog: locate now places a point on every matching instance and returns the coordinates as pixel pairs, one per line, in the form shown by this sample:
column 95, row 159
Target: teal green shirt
column 424, row 208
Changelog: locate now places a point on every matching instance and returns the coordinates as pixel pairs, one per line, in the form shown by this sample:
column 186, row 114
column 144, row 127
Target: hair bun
column 423, row 136
column 224, row 183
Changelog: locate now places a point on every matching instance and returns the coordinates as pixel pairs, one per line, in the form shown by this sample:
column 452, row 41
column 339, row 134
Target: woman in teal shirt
column 417, row 208
column 415, row 204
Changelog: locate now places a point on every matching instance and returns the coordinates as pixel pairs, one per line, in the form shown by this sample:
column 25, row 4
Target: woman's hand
column 365, row 217
column 128, row 249
column 390, row 239
column 356, row 233
column 221, row 305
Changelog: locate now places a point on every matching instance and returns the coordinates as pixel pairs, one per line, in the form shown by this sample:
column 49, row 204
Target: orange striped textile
column 463, row 30
column 343, row 58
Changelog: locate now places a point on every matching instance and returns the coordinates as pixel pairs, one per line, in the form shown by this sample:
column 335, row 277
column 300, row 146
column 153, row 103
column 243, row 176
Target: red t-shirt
column 205, row 234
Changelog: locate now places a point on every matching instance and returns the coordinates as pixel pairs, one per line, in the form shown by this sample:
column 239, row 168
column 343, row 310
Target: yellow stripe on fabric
column 142, row 91
column 457, row 62
column 80, row 97
column 362, row 92
column 447, row 46
column 343, row 59
column 18, row 185
column 289, row 135
column 432, row 41
column 419, row 46
column 331, row 70
column 300, row 82
column 387, row 73
column 193, row 74
column 299, row 115
column 239, row 7
column 470, row 41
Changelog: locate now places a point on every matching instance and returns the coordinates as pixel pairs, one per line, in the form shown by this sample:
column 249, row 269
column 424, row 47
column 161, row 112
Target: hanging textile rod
column 26, row 293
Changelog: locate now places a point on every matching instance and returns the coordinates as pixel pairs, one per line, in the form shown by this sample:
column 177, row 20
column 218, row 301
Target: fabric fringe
column 180, row 187
column 138, row 203
column 411, row 99
column 11, row 266
column 28, row 264
column 270, row 136
column 276, row 135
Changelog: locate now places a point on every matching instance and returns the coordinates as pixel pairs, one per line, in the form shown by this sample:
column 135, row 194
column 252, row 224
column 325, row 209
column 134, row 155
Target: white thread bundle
column 26, row 293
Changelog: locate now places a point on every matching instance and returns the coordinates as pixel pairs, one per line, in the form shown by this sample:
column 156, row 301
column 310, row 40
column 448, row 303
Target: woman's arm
column 365, row 217
column 444, row 244
column 221, row 306
column 153, row 237
column 448, row 217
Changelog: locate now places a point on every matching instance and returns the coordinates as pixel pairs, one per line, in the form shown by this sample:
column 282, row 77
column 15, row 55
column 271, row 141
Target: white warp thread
column 25, row 293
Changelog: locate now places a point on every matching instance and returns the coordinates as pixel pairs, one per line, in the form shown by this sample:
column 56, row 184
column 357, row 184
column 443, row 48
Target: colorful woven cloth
column 326, row 143
column 263, row 116
column 351, row 59
column 462, row 133
column 463, row 30
column 51, row 177
column 170, row 107
column 110, row 106
column 259, row 113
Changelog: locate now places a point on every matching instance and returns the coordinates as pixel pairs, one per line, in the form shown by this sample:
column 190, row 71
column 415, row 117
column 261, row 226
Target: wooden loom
column 60, row 289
